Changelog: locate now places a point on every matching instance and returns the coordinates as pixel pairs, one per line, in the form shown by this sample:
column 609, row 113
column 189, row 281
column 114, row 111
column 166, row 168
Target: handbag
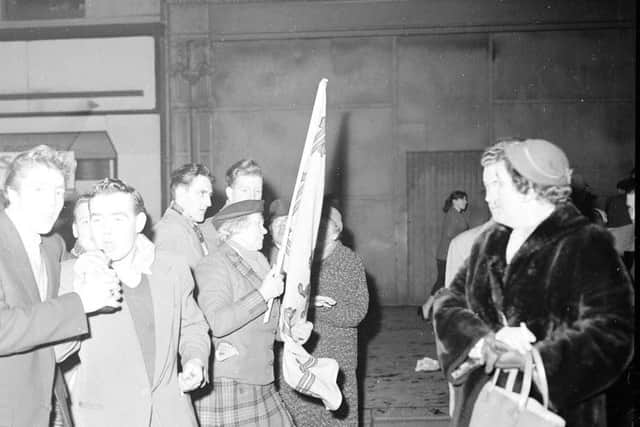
column 502, row 407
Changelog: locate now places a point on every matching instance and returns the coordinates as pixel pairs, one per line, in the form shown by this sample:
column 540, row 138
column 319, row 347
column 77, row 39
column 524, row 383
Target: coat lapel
column 13, row 249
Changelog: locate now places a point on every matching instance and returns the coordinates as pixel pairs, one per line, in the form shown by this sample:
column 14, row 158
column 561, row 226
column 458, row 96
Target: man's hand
column 301, row 331
column 96, row 284
column 192, row 375
column 272, row 285
column 322, row 301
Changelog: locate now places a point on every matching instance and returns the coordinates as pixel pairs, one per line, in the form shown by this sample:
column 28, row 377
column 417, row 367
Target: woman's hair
column 554, row 194
column 242, row 167
column 455, row 195
column 232, row 226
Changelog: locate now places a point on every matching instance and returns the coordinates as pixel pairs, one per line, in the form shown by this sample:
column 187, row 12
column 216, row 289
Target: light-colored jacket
column 174, row 233
column 111, row 387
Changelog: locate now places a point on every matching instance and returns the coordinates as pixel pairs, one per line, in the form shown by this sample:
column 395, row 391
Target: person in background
column 455, row 222
column 542, row 276
column 340, row 302
column 128, row 371
column 81, row 227
column 178, row 230
column 278, row 211
column 619, row 223
column 584, row 199
column 244, row 182
column 32, row 317
column 81, row 230
column 235, row 284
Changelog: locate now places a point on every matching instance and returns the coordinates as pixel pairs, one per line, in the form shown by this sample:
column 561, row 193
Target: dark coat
column 569, row 286
column 29, row 328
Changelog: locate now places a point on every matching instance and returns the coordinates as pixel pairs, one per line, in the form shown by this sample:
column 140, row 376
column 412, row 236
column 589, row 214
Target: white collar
column 29, row 238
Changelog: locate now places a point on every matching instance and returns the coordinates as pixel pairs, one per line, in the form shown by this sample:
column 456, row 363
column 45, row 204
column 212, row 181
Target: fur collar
column 565, row 219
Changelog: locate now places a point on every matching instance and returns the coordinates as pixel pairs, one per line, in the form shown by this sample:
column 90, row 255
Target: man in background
column 244, row 182
column 179, row 231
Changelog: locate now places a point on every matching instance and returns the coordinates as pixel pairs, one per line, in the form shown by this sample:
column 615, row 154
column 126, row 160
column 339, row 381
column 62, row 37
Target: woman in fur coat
column 545, row 266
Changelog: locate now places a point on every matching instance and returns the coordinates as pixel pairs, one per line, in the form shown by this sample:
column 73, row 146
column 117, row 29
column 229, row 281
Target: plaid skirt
column 232, row 403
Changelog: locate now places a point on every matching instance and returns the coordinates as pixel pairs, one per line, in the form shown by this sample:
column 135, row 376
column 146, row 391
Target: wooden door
column 431, row 177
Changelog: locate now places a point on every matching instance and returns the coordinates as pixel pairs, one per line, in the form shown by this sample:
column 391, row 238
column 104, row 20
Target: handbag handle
column 543, row 386
column 526, row 380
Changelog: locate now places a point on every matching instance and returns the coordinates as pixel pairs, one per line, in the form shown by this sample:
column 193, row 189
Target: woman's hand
column 491, row 350
column 517, row 337
column 272, row 285
column 301, row 331
column 511, row 360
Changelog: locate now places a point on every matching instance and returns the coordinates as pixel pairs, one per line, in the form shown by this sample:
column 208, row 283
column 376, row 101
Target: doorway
column 431, row 177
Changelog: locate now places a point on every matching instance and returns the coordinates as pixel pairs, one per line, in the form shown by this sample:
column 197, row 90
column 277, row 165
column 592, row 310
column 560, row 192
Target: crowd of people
column 171, row 331
column 168, row 331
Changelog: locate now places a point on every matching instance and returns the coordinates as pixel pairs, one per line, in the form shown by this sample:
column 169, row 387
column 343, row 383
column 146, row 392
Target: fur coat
column 569, row 286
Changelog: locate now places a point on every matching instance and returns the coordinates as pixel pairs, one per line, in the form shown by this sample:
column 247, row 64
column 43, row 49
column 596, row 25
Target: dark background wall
column 404, row 76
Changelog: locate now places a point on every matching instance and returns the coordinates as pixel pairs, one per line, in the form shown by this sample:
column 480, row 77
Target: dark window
column 43, row 9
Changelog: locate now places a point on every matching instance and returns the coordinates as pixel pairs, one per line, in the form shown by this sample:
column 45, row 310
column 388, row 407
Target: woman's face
column 460, row 204
column 250, row 236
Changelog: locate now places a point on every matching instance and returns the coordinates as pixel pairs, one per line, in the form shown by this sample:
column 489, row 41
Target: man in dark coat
column 544, row 266
column 33, row 318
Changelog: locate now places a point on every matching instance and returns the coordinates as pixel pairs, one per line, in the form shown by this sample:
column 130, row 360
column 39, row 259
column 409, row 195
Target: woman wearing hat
column 341, row 300
column 542, row 276
column 234, row 284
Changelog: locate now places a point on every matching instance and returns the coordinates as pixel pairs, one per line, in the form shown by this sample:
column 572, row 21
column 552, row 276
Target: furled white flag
column 309, row 375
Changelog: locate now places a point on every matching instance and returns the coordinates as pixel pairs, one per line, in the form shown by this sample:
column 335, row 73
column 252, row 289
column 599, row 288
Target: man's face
column 82, row 226
column 38, row 197
column 252, row 234
column 195, row 198
column 245, row 187
column 504, row 200
column 114, row 224
column 631, row 205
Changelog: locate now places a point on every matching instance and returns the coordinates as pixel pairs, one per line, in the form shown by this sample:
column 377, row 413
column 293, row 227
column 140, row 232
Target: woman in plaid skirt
column 234, row 284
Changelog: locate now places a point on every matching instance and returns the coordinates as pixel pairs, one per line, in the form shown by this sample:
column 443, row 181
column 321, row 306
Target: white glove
column 518, row 337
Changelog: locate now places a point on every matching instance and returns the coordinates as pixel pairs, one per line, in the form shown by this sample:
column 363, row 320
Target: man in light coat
column 128, row 373
column 179, row 231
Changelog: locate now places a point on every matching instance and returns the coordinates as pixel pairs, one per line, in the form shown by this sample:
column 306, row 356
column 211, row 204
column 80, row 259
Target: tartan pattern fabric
column 236, row 404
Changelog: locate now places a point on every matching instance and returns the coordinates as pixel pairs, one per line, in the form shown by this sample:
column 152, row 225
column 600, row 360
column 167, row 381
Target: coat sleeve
column 215, row 296
column 22, row 328
column 194, row 331
column 587, row 351
column 352, row 298
column 457, row 327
